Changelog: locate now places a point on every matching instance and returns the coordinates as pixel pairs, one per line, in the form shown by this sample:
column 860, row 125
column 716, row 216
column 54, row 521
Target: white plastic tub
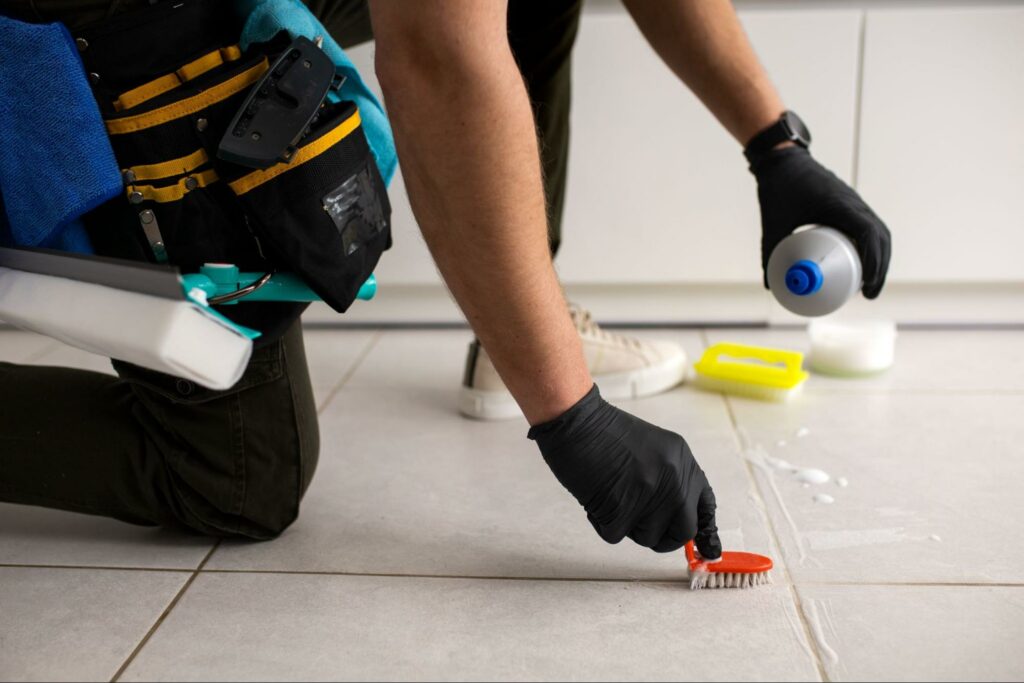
column 851, row 348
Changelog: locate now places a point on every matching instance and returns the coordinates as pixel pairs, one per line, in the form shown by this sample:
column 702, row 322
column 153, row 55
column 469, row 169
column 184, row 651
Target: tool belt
column 170, row 81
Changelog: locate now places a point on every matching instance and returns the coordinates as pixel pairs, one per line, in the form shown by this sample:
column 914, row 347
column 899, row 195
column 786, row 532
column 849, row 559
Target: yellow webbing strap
column 176, row 110
column 168, row 82
column 304, row 154
column 172, row 193
column 166, row 169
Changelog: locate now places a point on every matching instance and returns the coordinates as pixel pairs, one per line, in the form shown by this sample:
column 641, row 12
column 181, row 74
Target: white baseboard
column 711, row 304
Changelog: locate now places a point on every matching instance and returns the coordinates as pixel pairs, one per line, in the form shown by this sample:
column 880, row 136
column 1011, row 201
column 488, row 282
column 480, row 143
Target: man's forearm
column 703, row 42
column 467, row 143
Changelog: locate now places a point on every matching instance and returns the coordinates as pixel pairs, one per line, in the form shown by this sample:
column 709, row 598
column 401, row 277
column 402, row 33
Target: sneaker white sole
column 499, row 405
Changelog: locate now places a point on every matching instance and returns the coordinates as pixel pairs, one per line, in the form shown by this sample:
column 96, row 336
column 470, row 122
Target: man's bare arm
column 703, row 42
column 468, row 147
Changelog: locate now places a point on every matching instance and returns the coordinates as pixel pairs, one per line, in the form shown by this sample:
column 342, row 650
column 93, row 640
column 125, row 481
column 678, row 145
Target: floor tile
column 330, row 354
column 437, row 358
column 31, row 535
column 407, row 486
column 20, row 347
column 926, row 360
column 918, row 633
column 300, row 627
column 76, row 624
column 415, row 358
column 932, row 484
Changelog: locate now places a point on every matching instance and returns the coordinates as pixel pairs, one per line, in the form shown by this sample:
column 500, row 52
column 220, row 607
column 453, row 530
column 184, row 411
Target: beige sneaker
column 623, row 367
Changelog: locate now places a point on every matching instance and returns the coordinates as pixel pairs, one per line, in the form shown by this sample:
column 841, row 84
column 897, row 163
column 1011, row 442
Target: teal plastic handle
column 218, row 279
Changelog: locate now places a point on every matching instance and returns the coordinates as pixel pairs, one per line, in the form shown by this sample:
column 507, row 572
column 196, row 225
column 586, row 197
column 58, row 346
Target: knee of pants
column 250, row 488
column 258, row 506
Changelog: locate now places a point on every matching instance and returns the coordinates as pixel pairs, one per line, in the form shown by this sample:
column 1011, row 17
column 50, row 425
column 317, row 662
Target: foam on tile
column 814, row 621
column 811, row 475
column 757, row 456
column 824, row 498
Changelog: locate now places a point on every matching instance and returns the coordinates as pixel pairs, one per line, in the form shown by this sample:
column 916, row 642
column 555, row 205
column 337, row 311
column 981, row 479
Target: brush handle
column 691, row 556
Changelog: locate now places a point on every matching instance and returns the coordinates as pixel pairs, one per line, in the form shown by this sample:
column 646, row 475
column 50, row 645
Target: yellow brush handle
column 773, row 367
column 790, row 360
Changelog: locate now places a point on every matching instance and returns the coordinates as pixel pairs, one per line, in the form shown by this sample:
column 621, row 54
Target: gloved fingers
column 612, row 534
column 873, row 289
column 680, row 531
column 648, row 532
column 860, row 223
column 668, row 544
column 706, row 539
column 613, row 517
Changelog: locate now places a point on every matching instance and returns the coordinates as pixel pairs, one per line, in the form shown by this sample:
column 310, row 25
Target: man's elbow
column 406, row 68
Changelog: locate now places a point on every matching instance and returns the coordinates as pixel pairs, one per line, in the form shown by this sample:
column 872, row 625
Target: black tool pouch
column 324, row 214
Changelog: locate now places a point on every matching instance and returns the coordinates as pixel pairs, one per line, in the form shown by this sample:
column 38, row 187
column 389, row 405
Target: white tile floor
column 434, row 547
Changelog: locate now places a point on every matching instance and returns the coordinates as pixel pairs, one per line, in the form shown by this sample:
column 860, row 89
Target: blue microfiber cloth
column 56, row 162
column 264, row 18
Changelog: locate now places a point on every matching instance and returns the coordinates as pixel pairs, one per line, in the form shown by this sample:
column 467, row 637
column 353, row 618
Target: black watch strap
column 789, row 128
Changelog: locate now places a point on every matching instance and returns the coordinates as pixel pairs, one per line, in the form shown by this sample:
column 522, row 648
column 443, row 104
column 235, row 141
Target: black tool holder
column 281, row 107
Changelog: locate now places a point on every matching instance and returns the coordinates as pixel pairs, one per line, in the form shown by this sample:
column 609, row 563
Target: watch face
column 798, row 132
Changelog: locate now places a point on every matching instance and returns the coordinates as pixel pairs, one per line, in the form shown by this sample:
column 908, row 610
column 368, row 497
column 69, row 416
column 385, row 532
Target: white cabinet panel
column 942, row 140
column 658, row 191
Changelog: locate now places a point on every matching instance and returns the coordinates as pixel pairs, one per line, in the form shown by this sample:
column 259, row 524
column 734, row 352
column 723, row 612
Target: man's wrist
column 787, row 131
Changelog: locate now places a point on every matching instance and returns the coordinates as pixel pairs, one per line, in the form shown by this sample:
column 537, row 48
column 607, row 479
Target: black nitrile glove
column 632, row 478
column 795, row 190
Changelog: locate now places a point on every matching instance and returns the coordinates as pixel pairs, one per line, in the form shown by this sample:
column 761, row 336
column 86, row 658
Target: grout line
column 579, row 579
column 812, row 642
column 160, row 570
column 351, row 370
column 166, row 613
column 858, row 109
column 398, row 575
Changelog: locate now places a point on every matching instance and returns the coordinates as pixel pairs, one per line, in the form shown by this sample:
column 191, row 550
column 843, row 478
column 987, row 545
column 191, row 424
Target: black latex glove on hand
column 632, row 478
column 795, row 190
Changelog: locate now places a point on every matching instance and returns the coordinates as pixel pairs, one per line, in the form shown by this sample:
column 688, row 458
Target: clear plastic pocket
column 325, row 215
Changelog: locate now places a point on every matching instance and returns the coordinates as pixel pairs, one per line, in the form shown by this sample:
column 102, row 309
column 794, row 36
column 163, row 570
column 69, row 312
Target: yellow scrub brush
column 752, row 371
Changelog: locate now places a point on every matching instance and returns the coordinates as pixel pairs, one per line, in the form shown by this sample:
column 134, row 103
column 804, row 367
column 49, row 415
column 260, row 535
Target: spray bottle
column 814, row 272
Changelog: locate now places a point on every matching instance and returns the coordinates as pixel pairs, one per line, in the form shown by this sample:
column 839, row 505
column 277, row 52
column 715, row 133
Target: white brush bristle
column 700, row 578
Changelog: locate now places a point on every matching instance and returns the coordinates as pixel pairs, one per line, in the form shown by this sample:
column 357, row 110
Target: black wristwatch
column 789, row 128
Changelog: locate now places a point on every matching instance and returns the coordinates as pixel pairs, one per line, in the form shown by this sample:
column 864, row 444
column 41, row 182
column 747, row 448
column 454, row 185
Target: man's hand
column 795, row 190
column 632, row 478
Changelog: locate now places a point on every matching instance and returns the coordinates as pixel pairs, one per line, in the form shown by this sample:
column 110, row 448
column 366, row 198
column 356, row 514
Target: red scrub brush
column 732, row 570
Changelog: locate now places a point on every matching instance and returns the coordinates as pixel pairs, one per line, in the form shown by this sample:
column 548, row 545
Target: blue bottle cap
column 804, row 278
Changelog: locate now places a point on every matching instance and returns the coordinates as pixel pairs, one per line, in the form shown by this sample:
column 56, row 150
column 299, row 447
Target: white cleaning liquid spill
column 814, row 621
column 756, row 454
column 781, row 443
column 802, row 432
column 810, row 475
column 824, row 498
column 842, row 482
column 779, row 463
column 935, row 537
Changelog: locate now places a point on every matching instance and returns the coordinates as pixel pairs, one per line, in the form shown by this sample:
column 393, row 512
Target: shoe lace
column 586, row 325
